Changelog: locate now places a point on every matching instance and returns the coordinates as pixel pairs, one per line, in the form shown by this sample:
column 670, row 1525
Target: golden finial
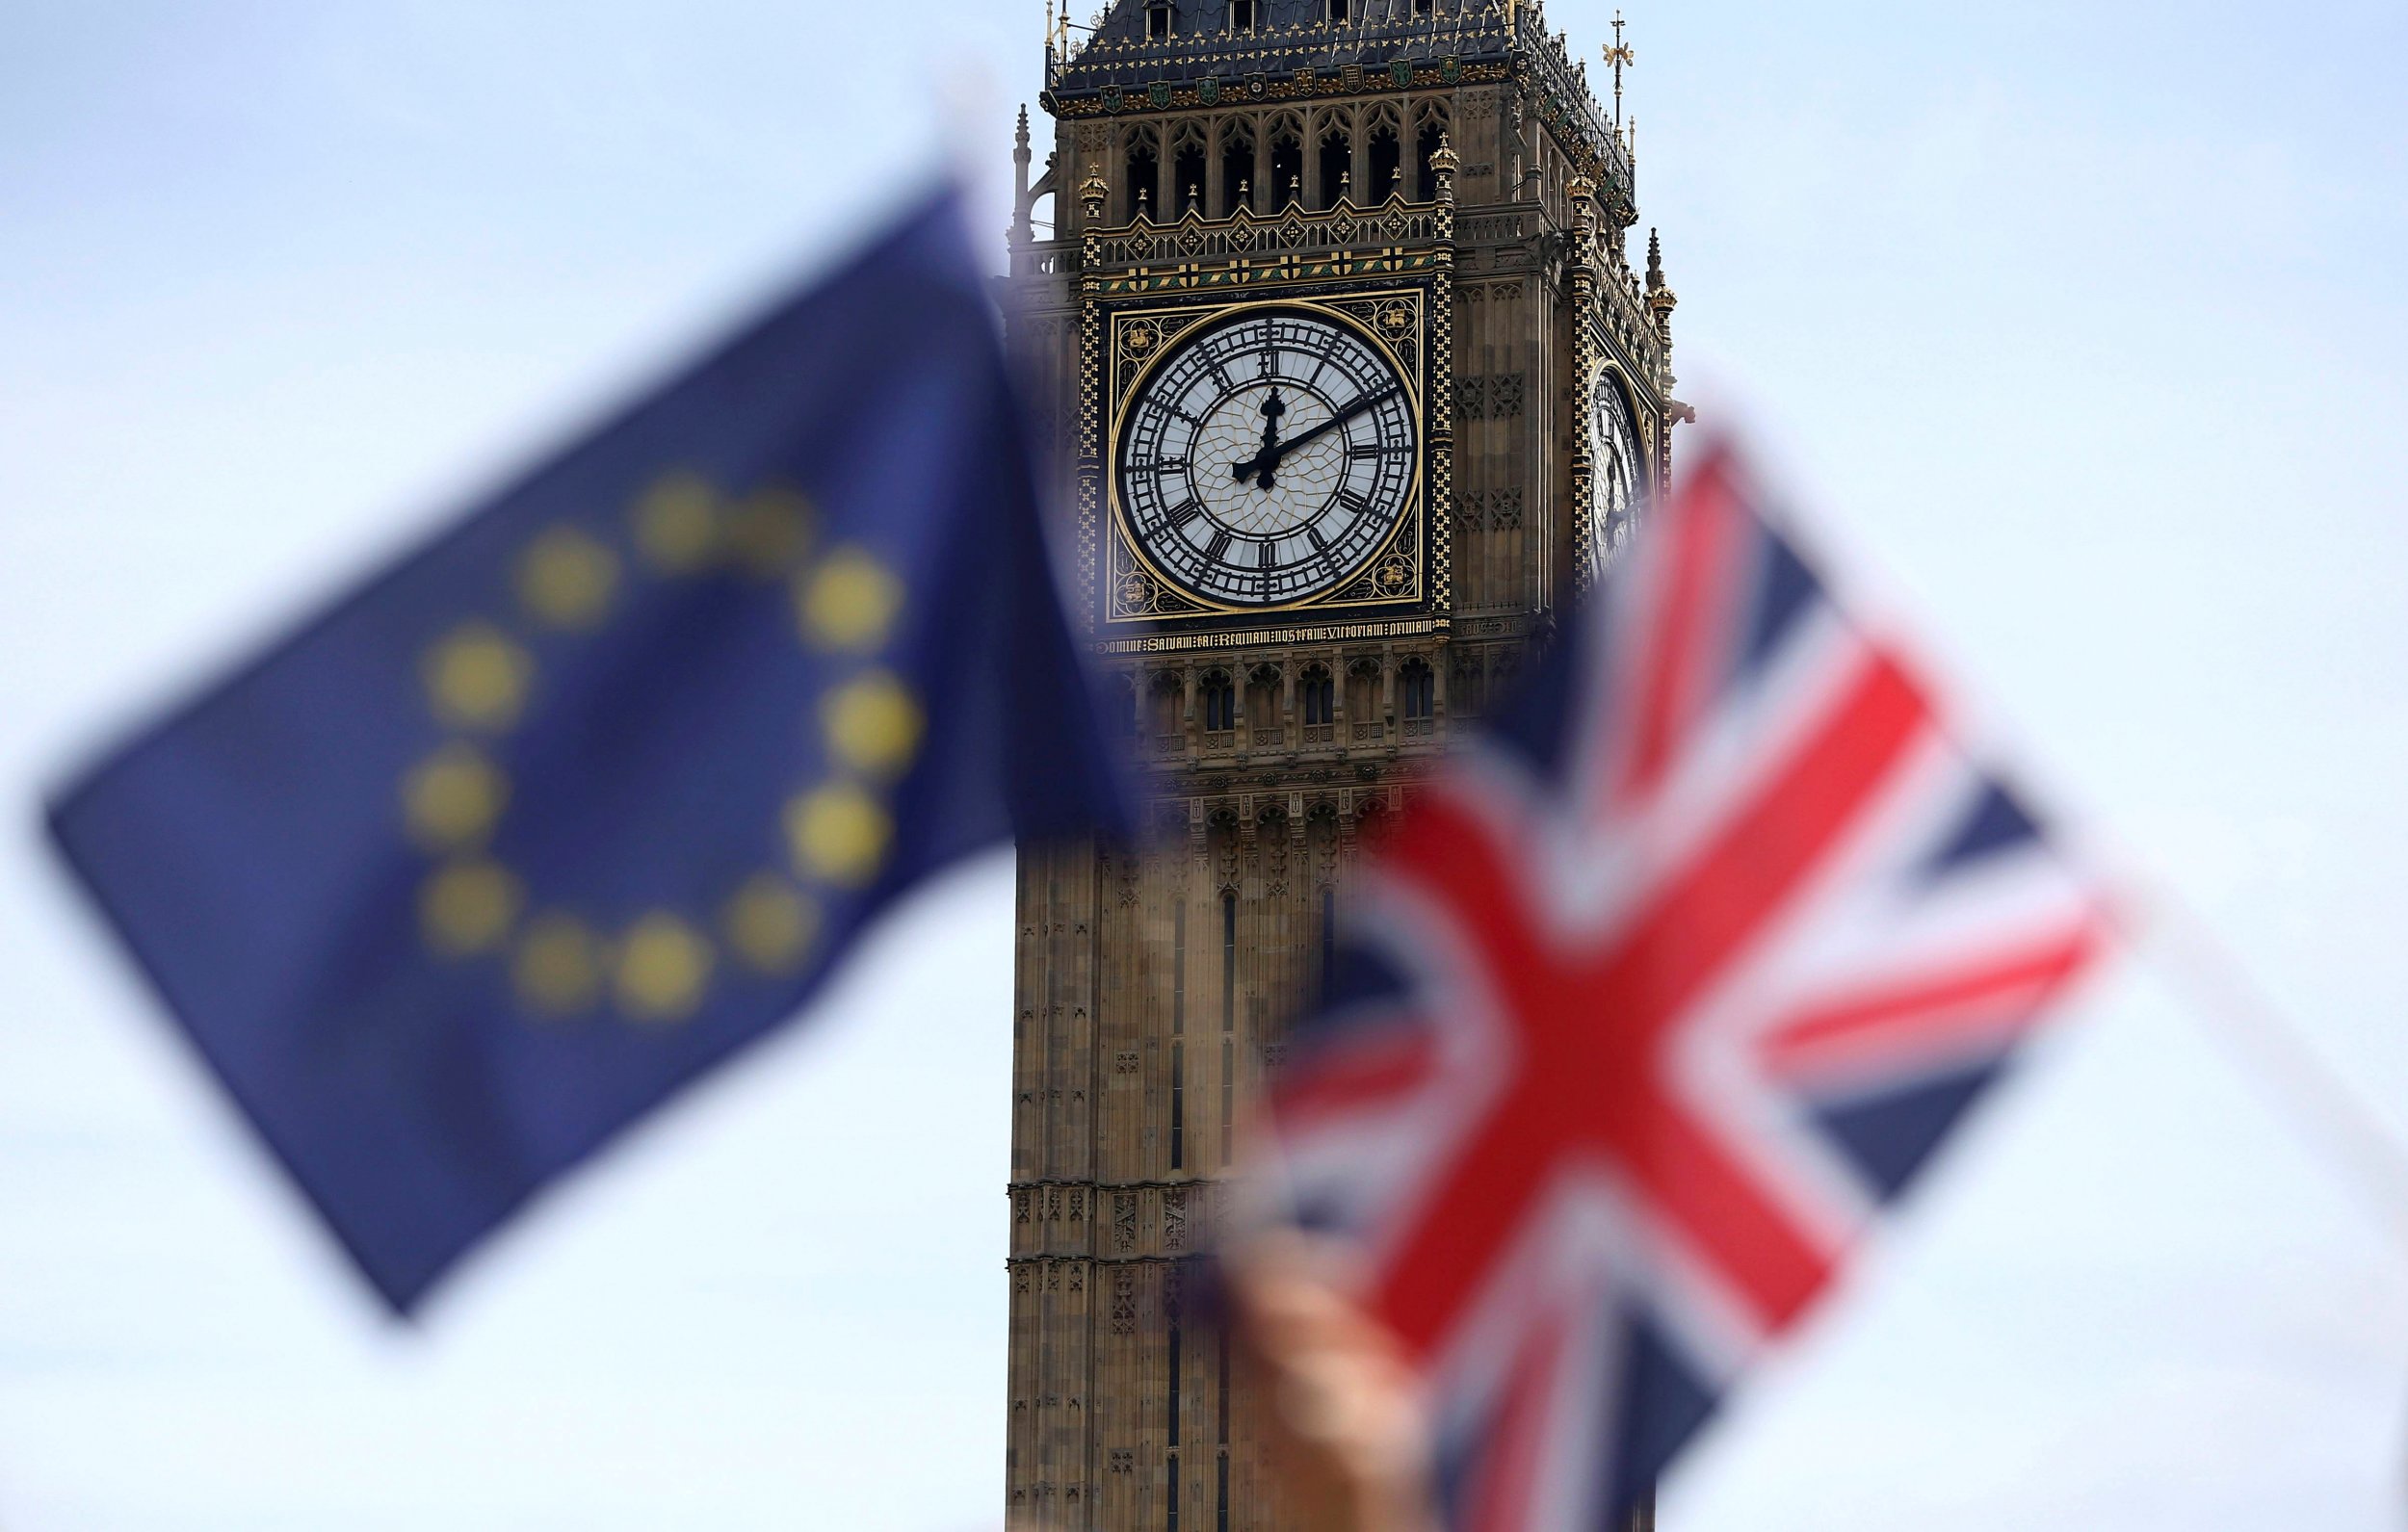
column 1621, row 57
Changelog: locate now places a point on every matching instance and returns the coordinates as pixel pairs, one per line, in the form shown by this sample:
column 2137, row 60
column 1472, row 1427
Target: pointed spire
column 1022, row 231
column 1660, row 299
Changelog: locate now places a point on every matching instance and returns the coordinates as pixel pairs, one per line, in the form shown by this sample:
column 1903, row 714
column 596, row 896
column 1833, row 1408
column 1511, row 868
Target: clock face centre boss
column 1268, row 457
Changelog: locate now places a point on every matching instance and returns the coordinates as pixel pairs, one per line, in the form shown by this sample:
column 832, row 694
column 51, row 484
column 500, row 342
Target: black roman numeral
column 1220, row 545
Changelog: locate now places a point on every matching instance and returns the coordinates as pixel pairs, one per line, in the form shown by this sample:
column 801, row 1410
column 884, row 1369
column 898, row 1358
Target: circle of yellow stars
column 479, row 678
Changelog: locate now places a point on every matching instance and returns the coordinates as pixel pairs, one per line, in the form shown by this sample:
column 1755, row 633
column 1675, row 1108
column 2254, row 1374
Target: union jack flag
column 1652, row 1002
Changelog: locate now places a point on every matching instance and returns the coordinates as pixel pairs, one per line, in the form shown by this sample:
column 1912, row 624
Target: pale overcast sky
column 2084, row 323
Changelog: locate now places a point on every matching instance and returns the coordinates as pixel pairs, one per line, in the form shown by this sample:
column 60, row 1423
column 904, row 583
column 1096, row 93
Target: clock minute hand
column 1264, row 465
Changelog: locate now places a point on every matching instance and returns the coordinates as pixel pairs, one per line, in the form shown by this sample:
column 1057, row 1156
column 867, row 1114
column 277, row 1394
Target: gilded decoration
column 1301, row 85
column 1394, row 322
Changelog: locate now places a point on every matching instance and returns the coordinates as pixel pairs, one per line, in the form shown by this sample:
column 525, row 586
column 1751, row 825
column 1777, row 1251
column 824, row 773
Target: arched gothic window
column 1287, row 165
column 1236, row 168
column 1186, row 173
column 1121, row 706
column 1363, row 711
column 1317, row 694
column 1220, row 702
column 1466, row 696
column 1387, row 154
column 1165, row 704
column 1337, row 165
column 1419, row 687
column 1261, row 706
column 1141, row 174
column 1425, row 142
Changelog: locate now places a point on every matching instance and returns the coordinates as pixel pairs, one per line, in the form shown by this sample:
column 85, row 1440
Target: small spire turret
column 1022, row 229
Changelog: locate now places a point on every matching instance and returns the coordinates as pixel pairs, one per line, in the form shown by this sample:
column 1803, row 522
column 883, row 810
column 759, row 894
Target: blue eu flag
column 599, row 785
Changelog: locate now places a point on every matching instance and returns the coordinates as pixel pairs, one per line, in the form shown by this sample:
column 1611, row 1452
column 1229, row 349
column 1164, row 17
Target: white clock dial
column 1619, row 480
column 1266, row 458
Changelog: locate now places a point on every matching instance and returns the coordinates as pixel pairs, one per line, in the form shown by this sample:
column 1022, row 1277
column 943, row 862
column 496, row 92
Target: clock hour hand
column 1273, row 408
column 1264, row 467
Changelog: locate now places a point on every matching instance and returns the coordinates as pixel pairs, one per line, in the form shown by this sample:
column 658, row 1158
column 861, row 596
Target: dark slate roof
column 1292, row 35
column 1121, row 56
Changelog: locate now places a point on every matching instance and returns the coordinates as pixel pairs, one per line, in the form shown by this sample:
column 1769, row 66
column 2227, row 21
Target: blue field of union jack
column 1654, row 999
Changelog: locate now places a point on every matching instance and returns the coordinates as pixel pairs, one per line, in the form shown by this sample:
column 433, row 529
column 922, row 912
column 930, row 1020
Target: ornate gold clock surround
column 1404, row 577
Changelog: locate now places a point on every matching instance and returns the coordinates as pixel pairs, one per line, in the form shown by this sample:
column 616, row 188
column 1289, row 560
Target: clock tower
column 1351, row 386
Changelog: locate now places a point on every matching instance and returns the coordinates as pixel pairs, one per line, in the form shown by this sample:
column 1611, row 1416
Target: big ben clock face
column 1614, row 486
column 1266, row 458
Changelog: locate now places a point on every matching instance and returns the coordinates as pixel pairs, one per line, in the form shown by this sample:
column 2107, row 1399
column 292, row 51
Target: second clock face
column 1268, row 457
column 1618, row 480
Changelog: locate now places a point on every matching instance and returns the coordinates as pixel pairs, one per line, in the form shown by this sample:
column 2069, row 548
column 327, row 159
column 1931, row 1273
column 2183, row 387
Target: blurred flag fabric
column 1652, row 1002
column 600, row 784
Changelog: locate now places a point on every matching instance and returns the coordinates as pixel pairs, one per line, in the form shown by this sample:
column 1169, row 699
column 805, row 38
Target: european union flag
column 601, row 784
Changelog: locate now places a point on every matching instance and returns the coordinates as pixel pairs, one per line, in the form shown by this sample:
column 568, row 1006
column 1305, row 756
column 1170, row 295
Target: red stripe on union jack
column 1658, row 996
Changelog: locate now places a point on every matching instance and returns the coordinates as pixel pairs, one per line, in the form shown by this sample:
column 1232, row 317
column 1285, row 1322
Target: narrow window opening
column 1143, row 170
column 1175, row 1349
column 1228, row 1100
column 1221, row 1506
column 1178, row 969
column 1329, row 935
column 1338, row 9
column 1421, row 690
column 1287, row 170
column 1387, row 165
column 1224, row 1395
column 1465, row 696
column 1425, row 151
column 1319, row 695
column 1363, row 698
column 1220, row 703
column 1173, row 1522
column 1425, row 8
column 1158, row 22
column 1337, row 168
column 1242, row 15
column 1237, row 173
column 1178, row 1144
column 1229, row 961
column 1261, row 705
column 1188, row 172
